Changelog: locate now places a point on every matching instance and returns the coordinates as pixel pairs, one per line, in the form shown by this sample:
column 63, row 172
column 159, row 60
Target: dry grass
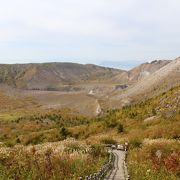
column 68, row 159
column 142, row 135
column 157, row 159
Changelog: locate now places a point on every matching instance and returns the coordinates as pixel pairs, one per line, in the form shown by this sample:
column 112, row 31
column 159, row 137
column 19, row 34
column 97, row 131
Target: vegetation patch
column 34, row 145
column 155, row 161
column 63, row 160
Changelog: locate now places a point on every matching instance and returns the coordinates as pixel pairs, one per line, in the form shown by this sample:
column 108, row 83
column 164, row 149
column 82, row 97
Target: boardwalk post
column 126, row 146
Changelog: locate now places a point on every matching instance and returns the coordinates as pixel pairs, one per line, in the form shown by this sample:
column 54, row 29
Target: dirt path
column 117, row 172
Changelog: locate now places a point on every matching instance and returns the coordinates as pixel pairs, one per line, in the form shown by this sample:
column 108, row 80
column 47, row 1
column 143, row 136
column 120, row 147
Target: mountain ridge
column 88, row 89
column 161, row 80
column 49, row 76
column 29, row 75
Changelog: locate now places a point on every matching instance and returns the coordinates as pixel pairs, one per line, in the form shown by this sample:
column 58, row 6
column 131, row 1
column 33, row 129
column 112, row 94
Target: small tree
column 153, row 111
column 120, row 128
column 64, row 132
column 18, row 140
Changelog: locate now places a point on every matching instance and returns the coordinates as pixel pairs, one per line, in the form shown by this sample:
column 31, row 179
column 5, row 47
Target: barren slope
column 10, row 103
column 50, row 76
column 84, row 88
column 142, row 71
column 161, row 80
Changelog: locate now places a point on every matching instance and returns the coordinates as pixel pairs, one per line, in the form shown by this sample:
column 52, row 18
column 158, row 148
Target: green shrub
column 9, row 143
column 64, row 132
column 98, row 150
column 135, row 143
column 110, row 123
column 154, row 112
column 18, row 140
column 34, row 139
column 120, row 128
column 108, row 141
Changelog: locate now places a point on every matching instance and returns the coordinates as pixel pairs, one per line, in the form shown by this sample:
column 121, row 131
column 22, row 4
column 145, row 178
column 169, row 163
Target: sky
column 89, row 31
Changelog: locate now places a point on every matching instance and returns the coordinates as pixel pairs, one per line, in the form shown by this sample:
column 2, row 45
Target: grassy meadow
column 67, row 159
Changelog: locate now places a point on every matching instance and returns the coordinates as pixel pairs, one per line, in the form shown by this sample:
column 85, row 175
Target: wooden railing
column 108, row 167
column 126, row 174
column 103, row 171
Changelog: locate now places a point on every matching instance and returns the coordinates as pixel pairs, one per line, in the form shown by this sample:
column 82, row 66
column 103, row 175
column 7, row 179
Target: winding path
column 118, row 172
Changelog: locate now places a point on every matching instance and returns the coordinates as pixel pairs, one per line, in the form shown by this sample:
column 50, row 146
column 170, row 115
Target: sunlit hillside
column 150, row 126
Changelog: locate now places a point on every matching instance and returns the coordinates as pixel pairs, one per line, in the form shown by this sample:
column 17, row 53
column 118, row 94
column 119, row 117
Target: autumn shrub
column 108, row 141
column 35, row 139
column 110, row 123
column 155, row 160
column 165, row 155
column 64, row 132
column 135, row 143
column 98, row 150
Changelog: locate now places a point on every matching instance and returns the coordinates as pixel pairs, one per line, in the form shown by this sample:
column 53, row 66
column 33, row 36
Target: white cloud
column 84, row 29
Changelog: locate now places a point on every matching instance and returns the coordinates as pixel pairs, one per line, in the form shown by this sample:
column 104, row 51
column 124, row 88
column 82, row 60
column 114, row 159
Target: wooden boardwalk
column 117, row 172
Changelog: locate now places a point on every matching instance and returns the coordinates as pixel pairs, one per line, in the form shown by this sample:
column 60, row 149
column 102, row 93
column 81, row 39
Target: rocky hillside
column 161, row 80
column 50, row 76
column 140, row 72
column 146, row 69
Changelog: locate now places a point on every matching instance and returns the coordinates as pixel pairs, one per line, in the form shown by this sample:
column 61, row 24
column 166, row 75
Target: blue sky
column 89, row 31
